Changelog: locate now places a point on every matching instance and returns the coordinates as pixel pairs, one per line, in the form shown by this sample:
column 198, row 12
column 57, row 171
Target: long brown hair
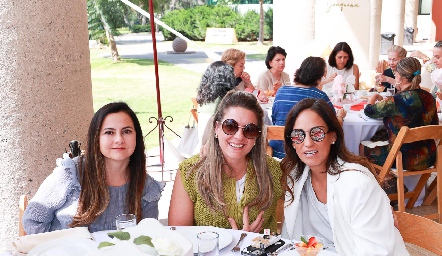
column 209, row 168
column 94, row 195
column 410, row 68
column 291, row 161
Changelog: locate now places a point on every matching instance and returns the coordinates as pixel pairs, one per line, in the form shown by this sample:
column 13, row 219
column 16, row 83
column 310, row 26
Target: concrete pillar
column 397, row 21
column 296, row 37
column 46, row 95
column 375, row 33
column 411, row 13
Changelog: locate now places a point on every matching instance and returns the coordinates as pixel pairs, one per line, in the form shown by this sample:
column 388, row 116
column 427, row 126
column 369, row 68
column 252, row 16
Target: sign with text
column 221, row 36
column 345, row 21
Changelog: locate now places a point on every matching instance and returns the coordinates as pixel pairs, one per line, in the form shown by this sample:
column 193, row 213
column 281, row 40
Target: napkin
column 24, row 244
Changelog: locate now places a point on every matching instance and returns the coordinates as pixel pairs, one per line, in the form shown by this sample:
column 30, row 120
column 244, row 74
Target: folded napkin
column 24, row 244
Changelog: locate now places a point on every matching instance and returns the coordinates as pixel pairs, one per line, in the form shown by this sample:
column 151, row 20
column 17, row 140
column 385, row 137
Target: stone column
column 294, row 30
column 397, row 19
column 375, row 33
column 46, row 95
column 411, row 13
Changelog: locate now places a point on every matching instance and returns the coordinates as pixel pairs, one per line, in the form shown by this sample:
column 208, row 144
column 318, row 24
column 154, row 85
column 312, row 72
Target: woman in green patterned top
column 411, row 106
column 235, row 185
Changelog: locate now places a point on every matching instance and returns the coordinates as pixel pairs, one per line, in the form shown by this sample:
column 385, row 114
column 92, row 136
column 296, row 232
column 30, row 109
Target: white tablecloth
column 357, row 129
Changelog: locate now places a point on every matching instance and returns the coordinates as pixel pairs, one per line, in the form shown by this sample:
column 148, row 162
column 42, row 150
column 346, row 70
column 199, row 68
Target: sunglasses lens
column 317, row 134
column 298, row 136
column 230, row 126
column 251, row 131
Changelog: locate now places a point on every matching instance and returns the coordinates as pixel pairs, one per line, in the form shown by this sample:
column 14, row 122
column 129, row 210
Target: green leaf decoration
column 104, row 244
column 303, row 240
column 143, row 240
column 120, row 235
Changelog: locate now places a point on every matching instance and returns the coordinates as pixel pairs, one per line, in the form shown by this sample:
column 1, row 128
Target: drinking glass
column 208, row 243
column 123, row 221
column 391, row 91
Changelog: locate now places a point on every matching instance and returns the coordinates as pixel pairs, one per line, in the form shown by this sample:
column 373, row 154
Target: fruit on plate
column 310, row 247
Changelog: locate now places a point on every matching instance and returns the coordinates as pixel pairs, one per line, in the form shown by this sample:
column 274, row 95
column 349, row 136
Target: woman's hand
column 375, row 97
column 263, row 98
column 246, row 77
column 439, row 95
column 255, row 227
column 276, row 86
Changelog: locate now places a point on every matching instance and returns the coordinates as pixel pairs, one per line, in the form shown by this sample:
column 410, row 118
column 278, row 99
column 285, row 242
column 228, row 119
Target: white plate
column 352, row 103
column 364, row 116
column 64, row 247
column 225, row 238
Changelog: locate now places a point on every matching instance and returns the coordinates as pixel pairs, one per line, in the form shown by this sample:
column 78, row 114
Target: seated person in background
column 273, row 78
column 411, row 106
column 307, row 78
column 216, row 81
column 340, row 62
column 234, row 185
column 237, row 60
column 332, row 193
column 110, row 180
column 395, row 54
column 432, row 66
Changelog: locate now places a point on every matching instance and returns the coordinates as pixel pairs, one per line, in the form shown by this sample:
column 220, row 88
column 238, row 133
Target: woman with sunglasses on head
column 411, row 106
column 109, row 180
column 331, row 193
column 235, row 184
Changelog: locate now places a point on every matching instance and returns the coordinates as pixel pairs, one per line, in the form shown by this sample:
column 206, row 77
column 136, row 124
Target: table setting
column 150, row 237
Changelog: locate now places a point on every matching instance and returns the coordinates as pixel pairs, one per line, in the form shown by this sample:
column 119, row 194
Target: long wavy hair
column 410, row 68
column 310, row 72
column 291, row 161
column 218, row 79
column 209, row 169
column 342, row 46
column 94, row 195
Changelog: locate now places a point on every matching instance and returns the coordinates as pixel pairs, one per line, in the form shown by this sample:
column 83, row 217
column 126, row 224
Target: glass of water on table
column 124, row 220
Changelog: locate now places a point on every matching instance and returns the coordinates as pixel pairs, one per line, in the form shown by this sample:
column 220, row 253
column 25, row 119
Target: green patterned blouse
column 204, row 216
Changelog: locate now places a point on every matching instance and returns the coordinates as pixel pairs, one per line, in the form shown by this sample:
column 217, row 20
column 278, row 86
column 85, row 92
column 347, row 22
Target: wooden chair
column 195, row 104
column 420, row 231
column 276, row 133
column 273, row 132
column 22, row 206
column 407, row 135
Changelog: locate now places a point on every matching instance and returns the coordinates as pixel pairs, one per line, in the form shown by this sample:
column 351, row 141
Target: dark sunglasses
column 230, row 127
column 316, row 133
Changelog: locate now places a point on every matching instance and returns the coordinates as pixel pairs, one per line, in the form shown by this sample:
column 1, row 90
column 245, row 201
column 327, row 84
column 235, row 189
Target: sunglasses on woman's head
column 317, row 134
column 230, row 127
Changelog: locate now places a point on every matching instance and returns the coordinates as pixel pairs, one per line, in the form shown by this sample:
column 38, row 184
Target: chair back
column 273, row 132
column 420, row 231
column 408, row 135
column 23, row 203
column 195, row 104
column 194, row 113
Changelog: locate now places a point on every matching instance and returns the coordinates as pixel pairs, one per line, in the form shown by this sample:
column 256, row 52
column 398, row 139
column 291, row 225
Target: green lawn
column 133, row 81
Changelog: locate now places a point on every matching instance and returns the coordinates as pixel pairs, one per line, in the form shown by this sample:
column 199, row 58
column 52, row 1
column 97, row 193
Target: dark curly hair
column 438, row 44
column 310, row 72
column 271, row 53
column 215, row 83
column 342, row 46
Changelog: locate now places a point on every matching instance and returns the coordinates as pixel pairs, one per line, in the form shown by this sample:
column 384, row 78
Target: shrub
column 140, row 28
column 193, row 22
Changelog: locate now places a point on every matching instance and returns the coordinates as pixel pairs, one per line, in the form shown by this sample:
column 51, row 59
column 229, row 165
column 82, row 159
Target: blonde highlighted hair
column 232, row 56
column 401, row 52
column 410, row 69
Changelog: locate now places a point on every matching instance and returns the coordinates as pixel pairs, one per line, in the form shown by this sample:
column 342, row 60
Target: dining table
column 228, row 238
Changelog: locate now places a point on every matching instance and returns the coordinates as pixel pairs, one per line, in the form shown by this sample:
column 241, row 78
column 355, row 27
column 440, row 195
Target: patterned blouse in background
column 413, row 108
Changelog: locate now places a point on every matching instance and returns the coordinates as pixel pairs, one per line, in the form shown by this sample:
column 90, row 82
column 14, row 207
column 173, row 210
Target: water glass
column 123, row 221
column 391, row 91
column 208, row 243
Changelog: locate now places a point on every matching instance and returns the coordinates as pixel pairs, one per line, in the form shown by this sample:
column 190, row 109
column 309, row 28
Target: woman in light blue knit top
column 307, row 77
column 110, row 180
